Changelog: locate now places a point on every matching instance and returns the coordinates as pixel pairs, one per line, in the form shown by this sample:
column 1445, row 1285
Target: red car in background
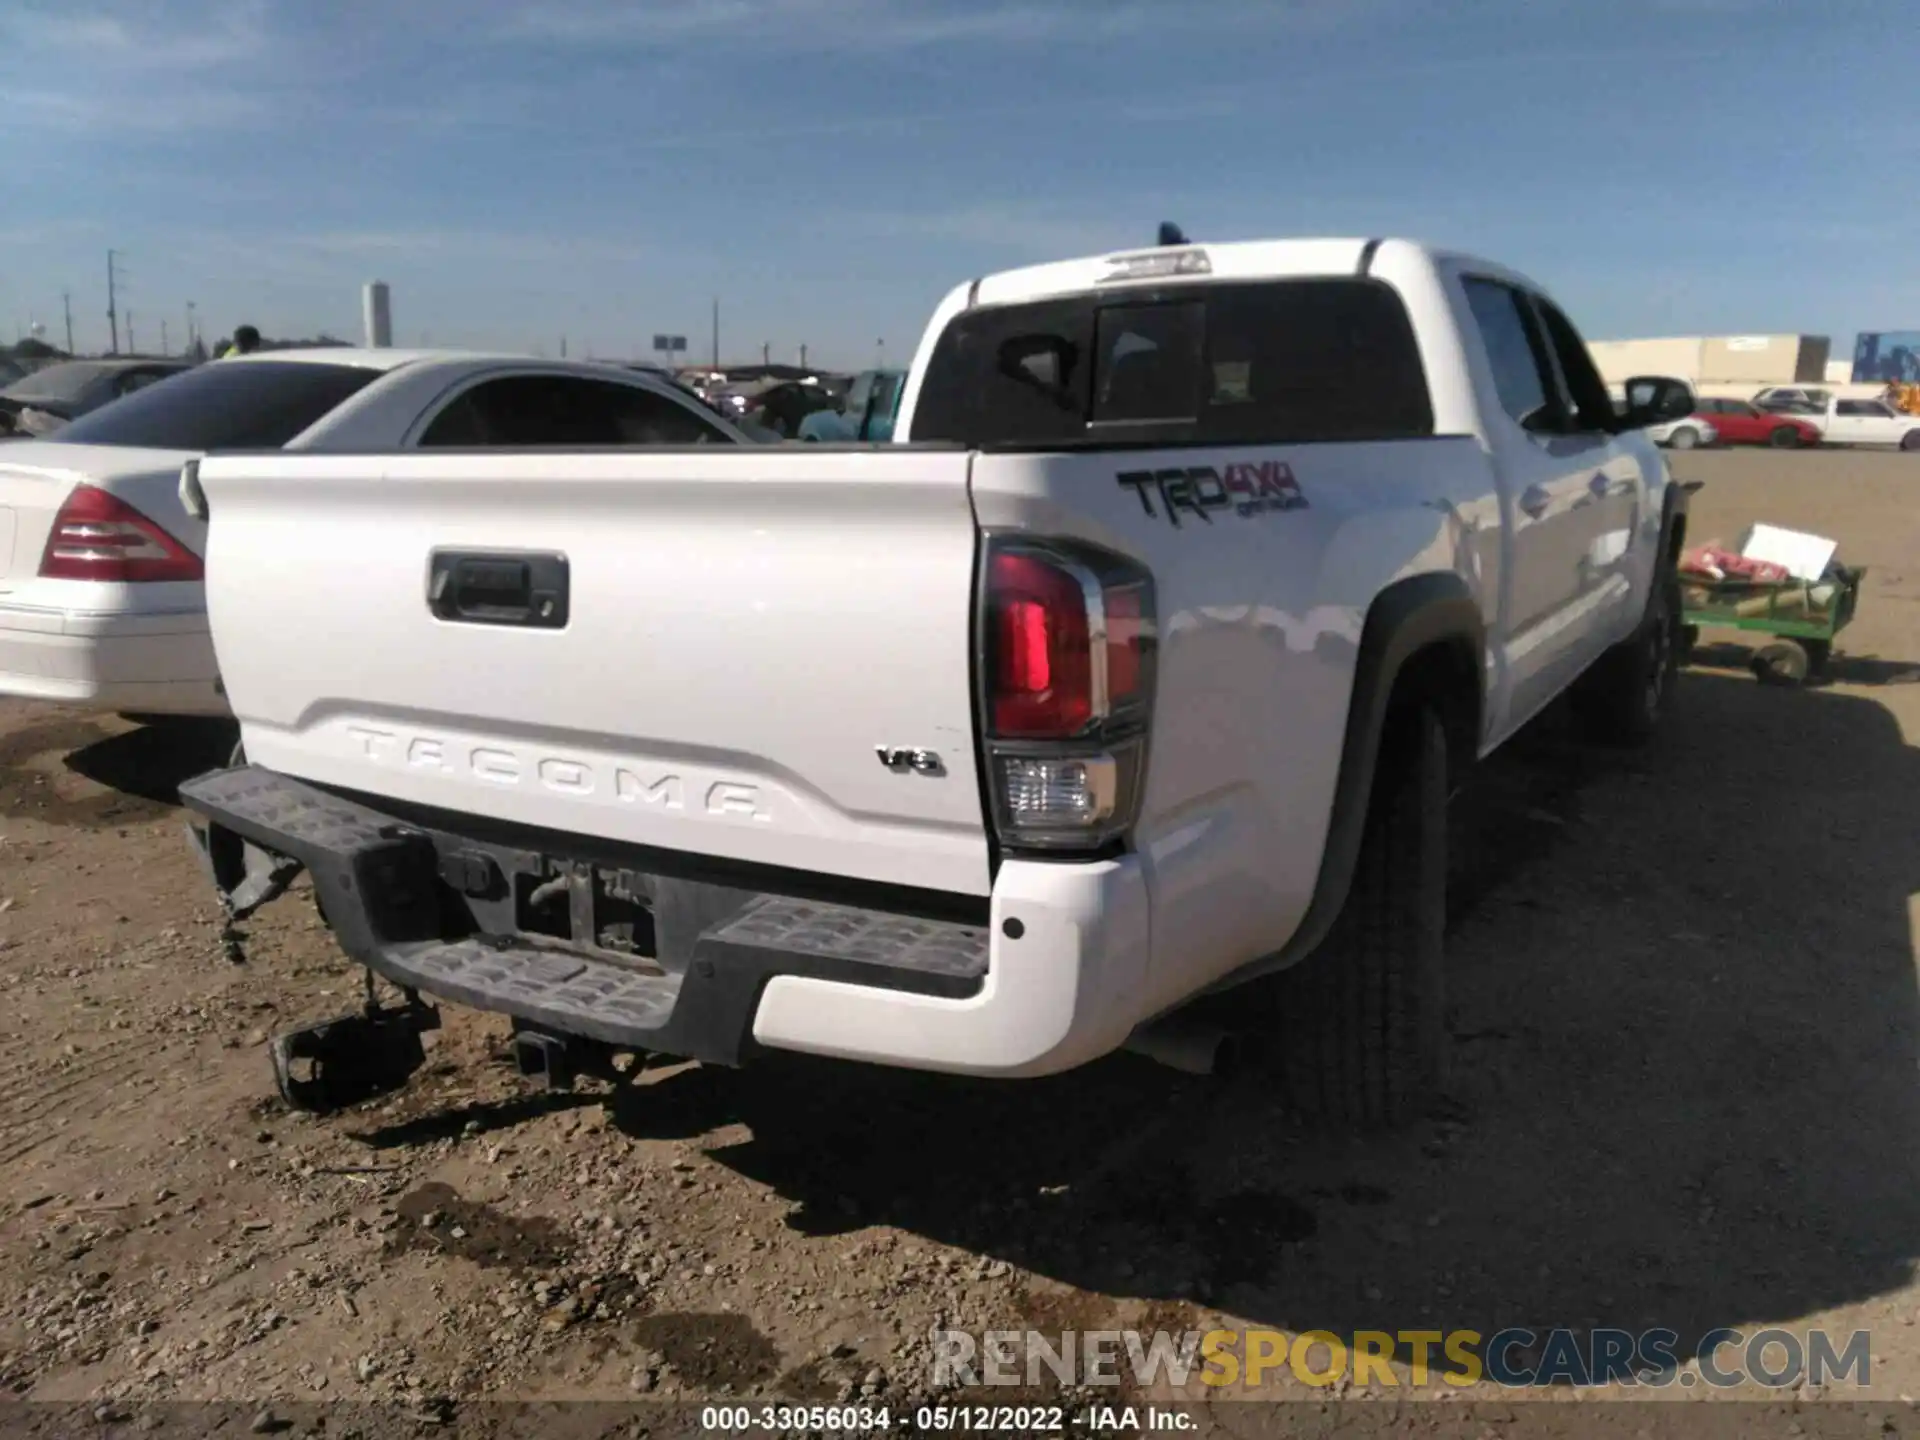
column 1741, row 423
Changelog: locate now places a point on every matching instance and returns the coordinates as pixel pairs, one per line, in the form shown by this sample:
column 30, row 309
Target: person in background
column 246, row 340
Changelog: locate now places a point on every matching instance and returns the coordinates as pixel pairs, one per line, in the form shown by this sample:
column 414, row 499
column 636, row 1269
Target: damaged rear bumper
column 429, row 910
column 1052, row 979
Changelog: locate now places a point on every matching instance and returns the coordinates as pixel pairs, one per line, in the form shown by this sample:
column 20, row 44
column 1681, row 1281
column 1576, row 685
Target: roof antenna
column 1171, row 234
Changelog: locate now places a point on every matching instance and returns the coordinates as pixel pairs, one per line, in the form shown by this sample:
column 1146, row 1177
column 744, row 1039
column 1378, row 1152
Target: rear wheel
column 1623, row 698
column 1783, row 437
column 1361, row 1023
column 1910, row 440
column 1685, row 438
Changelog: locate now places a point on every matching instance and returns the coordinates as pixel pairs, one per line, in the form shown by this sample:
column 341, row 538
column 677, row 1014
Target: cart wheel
column 1689, row 640
column 1819, row 652
column 1783, row 662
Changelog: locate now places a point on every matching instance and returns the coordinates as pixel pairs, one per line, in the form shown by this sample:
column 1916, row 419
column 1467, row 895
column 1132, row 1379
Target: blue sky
column 828, row 168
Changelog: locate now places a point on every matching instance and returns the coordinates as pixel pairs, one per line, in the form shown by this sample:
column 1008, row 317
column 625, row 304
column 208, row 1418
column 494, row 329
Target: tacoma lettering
column 1247, row 488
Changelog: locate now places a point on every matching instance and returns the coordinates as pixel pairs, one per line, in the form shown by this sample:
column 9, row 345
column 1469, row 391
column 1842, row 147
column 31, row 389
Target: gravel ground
column 1684, row 1096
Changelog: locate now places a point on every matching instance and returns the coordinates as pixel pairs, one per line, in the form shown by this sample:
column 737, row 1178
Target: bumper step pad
column 379, row 879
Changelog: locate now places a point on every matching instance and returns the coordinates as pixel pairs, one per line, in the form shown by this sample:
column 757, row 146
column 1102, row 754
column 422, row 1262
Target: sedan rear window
column 226, row 405
column 57, row 382
column 1275, row 362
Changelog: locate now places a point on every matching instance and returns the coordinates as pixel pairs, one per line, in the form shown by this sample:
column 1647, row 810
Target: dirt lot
column 1685, row 1096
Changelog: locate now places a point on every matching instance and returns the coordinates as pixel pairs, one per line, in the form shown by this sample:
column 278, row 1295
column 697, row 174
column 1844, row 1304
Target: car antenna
column 1171, row 234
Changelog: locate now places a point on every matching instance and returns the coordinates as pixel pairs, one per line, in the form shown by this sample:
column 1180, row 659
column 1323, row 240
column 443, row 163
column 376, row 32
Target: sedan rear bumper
column 110, row 660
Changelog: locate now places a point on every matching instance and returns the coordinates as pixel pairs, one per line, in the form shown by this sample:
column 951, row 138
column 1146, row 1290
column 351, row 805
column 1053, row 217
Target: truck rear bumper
column 1049, row 984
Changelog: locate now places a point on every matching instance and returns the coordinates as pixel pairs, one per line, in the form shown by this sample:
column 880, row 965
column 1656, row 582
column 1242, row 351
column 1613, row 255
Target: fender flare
column 1404, row 619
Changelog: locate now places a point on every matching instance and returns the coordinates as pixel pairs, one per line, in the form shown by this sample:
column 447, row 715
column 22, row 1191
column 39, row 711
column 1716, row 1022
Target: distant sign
column 1748, row 342
column 1883, row 357
column 670, row 343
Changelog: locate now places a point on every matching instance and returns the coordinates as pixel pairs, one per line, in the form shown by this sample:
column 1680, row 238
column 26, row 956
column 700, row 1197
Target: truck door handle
column 1535, row 500
column 498, row 587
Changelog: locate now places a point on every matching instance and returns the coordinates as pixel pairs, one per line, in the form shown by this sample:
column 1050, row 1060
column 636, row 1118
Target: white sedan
column 1684, row 434
column 101, row 596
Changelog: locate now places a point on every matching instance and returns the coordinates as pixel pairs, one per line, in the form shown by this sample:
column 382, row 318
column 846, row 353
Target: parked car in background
column 1687, row 434
column 782, row 406
column 49, row 398
column 1793, row 400
column 1867, row 422
column 102, row 601
column 1741, row 422
column 865, row 415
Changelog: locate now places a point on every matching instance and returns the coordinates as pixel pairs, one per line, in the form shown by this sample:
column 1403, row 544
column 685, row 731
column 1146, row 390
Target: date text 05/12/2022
column 944, row 1419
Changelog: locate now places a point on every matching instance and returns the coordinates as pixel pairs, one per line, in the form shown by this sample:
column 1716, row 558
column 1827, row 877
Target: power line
column 113, row 315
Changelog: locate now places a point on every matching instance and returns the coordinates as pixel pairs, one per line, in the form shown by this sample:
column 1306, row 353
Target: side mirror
column 1656, row 400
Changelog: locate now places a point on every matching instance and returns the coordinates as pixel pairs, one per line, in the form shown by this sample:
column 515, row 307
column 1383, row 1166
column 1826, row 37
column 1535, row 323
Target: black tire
column 1781, row 662
column 1819, row 655
column 1624, row 697
column 1685, row 438
column 1784, row 437
column 1689, row 642
column 1910, row 441
column 1361, row 1023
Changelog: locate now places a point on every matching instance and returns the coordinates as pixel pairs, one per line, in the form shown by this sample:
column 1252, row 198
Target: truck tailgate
column 739, row 633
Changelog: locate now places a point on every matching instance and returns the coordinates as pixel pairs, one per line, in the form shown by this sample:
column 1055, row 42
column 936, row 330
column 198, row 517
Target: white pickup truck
column 1142, row 669
column 1847, row 421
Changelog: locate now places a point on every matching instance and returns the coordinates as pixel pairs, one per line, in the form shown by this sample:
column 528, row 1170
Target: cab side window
column 1516, row 352
column 1587, row 392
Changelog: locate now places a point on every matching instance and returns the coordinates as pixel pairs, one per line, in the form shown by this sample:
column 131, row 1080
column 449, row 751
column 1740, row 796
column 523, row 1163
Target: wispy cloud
column 1009, row 227
column 880, row 25
column 154, row 68
column 164, row 115
column 180, row 39
column 48, row 232
column 503, row 247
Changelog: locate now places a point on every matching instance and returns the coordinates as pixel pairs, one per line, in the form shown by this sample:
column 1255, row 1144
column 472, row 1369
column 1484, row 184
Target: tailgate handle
column 498, row 587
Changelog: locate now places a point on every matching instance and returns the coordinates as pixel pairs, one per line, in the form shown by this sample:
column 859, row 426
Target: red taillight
column 97, row 536
column 1069, row 680
column 1042, row 685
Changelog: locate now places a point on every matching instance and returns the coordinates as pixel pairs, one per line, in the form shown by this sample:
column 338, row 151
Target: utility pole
column 803, row 357
column 193, row 333
column 563, row 347
column 716, row 332
column 880, row 353
column 766, row 352
column 163, row 337
column 133, row 346
column 113, row 316
column 66, row 305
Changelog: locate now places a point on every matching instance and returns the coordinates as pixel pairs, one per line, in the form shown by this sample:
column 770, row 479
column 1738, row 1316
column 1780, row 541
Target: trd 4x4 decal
column 1246, row 488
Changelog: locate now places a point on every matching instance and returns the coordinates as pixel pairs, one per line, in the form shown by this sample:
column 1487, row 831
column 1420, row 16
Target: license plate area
column 589, row 908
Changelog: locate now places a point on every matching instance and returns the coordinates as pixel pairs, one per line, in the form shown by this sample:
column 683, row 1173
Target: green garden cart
column 1799, row 617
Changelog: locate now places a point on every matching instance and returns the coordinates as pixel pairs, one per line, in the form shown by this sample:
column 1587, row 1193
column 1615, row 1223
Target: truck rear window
column 1193, row 364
